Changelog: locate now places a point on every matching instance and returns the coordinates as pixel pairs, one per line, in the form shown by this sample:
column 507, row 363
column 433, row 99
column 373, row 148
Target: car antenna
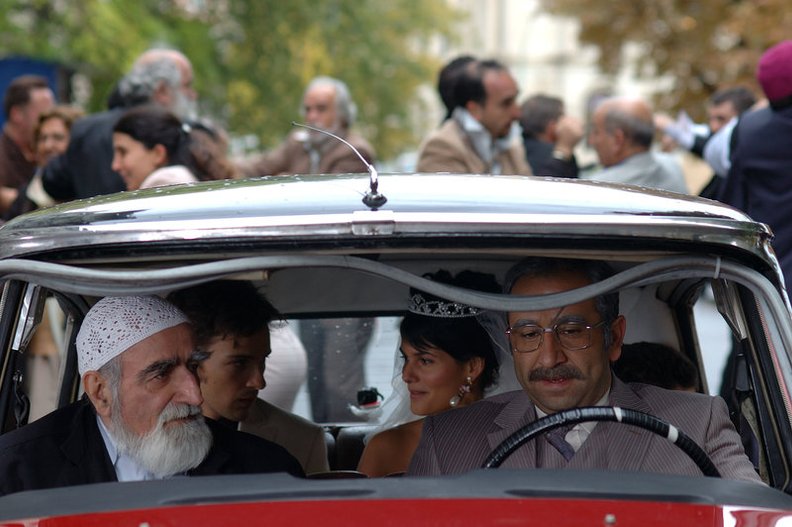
column 372, row 199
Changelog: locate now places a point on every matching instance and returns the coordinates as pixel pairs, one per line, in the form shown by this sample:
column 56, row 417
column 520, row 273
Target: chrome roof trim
column 296, row 208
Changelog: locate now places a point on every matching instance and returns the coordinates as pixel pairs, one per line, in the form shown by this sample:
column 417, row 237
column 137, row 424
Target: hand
column 569, row 132
column 663, row 121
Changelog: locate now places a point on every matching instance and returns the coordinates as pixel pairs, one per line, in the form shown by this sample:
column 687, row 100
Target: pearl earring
column 463, row 390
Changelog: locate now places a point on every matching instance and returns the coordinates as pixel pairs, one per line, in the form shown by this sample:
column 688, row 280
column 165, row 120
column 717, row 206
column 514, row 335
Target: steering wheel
column 602, row 413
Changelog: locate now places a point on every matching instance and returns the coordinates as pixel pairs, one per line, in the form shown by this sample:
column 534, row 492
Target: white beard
column 165, row 451
column 317, row 140
column 184, row 108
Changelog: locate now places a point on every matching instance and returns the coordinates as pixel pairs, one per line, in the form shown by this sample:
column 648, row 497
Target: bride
column 447, row 360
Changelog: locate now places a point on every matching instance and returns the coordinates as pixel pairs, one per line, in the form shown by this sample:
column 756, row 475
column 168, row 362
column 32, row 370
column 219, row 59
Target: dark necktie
column 556, row 438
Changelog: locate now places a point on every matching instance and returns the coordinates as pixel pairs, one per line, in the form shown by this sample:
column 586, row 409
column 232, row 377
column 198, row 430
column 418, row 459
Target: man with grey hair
column 622, row 130
column 326, row 104
column 336, row 347
column 140, row 418
column 562, row 358
column 158, row 76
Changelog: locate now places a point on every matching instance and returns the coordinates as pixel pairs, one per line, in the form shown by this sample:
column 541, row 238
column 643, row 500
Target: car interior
column 663, row 297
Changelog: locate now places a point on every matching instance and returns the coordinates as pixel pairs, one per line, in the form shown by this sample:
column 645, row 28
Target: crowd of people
column 203, row 351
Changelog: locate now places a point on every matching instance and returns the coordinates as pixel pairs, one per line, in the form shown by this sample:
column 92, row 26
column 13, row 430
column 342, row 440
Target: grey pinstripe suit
column 460, row 440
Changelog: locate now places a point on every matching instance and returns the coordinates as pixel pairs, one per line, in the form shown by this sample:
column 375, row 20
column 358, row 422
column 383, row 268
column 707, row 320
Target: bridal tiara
column 440, row 308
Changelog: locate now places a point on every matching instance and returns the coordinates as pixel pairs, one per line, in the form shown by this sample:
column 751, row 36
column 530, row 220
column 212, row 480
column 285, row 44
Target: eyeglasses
column 572, row 336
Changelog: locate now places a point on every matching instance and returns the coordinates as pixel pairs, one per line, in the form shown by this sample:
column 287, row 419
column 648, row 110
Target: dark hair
column 741, row 98
column 18, row 92
column 537, row 112
column 224, row 308
column 208, row 151
column 152, row 125
column 463, row 338
column 470, row 84
column 607, row 305
column 447, row 79
column 657, row 364
column 66, row 114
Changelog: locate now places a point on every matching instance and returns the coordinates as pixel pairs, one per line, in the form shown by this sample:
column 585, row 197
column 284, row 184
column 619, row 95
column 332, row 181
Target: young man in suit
column 478, row 137
column 231, row 320
column 562, row 357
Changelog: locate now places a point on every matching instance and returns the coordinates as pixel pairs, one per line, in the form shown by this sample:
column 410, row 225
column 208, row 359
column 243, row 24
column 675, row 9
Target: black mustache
column 564, row 371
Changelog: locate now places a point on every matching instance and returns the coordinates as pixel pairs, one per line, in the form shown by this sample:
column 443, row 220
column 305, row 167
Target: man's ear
column 15, row 114
column 98, row 391
column 618, row 329
column 619, row 139
column 475, row 109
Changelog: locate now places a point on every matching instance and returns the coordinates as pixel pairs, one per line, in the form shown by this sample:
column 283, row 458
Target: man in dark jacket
column 760, row 179
column 142, row 417
column 159, row 76
column 550, row 136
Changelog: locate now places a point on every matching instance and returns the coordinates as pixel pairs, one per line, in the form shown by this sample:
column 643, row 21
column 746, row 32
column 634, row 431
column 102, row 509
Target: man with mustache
column 141, row 417
column 562, row 358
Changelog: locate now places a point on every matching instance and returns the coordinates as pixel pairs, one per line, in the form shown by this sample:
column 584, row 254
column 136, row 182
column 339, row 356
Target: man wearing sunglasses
column 562, row 359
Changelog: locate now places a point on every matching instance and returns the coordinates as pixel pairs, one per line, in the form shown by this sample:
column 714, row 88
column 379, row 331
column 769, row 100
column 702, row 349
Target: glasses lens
column 573, row 336
column 526, row 338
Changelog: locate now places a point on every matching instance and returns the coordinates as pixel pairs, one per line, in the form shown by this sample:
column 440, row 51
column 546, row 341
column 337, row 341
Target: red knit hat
column 775, row 71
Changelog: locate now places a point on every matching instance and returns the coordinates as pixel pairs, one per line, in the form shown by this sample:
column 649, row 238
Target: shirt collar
column 578, row 434
column 487, row 148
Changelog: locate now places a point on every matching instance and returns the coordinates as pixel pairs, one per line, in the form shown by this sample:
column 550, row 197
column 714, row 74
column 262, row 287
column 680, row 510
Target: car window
column 343, row 357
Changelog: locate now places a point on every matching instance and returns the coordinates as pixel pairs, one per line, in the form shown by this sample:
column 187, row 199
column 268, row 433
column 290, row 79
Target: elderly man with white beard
column 326, row 104
column 141, row 416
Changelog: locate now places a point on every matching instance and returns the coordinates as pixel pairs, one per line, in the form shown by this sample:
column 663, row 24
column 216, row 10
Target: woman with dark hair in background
column 152, row 148
column 448, row 361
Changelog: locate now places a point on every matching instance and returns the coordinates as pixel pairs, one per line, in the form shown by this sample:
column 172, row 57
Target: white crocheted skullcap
column 115, row 324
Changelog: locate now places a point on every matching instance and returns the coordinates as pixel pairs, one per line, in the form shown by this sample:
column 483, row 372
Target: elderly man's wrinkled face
column 155, row 373
column 319, row 107
column 155, row 414
column 554, row 377
column 233, row 374
column 604, row 142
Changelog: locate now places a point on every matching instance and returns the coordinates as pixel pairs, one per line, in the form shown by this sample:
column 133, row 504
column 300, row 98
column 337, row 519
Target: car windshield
column 343, row 287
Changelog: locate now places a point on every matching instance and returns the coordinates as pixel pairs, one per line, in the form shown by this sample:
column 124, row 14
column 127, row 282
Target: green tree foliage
column 702, row 45
column 252, row 58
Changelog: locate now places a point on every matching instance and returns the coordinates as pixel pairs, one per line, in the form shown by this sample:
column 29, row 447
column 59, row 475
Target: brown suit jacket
column 301, row 438
column 291, row 157
column 448, row 149
column 460, row 440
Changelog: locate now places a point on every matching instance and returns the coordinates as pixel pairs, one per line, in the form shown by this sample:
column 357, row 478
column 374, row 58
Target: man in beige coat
column 326, row 104
column 230, row 321
column 479, row 137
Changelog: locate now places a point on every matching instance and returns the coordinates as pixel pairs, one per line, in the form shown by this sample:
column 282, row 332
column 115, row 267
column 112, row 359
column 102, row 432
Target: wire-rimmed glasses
column 572, row 336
